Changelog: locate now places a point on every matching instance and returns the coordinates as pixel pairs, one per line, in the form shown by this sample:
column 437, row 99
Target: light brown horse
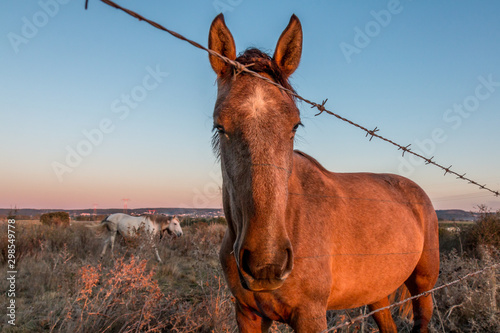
column 301, row 239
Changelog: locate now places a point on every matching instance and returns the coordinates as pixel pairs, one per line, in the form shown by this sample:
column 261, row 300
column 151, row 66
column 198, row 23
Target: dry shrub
column 466, row 306
column 485, row 232
column 449, row 240
column 36, row 240
column 125, row 298
column 203, row 240
column 55, row 219
column 210, row 309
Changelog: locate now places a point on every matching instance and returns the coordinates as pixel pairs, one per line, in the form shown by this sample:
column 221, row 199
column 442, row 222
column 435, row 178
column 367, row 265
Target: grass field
column 63, row 286
column 455, row 223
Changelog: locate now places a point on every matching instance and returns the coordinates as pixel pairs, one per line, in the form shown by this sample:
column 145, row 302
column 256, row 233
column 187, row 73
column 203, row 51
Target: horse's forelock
column 262, row 63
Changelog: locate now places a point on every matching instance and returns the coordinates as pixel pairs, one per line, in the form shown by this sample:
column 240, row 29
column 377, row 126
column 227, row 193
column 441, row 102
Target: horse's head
column 172, row 226
column 256, row 123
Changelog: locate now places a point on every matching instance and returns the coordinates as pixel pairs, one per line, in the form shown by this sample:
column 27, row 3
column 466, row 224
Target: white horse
column 127, row 226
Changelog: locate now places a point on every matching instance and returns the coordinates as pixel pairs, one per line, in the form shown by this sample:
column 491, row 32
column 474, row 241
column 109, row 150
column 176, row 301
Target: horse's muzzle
column 171, row 233
column 264, row 273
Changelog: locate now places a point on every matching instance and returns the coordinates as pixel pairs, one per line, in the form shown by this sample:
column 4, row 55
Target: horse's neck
column 150, row 223
column 305, row 170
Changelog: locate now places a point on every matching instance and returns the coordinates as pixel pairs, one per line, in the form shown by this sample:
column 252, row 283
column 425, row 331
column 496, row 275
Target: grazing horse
column 127, row 226
column 301, row 239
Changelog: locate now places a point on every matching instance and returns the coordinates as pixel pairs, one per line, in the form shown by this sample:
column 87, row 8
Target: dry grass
column 99, row 301
column 64, row 287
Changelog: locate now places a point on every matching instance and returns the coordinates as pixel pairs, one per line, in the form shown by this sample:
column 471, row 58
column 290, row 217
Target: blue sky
column 97, row 106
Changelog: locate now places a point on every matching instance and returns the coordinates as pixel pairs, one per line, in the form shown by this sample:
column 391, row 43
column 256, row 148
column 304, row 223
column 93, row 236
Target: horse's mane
column 313, row 161
column 161, row 219
column 262, row 63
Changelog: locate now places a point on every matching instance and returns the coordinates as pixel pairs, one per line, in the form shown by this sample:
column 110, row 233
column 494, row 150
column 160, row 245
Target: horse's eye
column 296, row 127
column 219, row 129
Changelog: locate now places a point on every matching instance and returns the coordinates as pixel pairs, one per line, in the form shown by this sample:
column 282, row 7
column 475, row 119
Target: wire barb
column 405, row 149
column 321, row 107
column 240, row 68
column 372, row 133
column 447, row 170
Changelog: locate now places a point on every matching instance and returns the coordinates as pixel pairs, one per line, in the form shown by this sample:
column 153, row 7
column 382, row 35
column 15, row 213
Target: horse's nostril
column 288, row 263
column 244, row 262
column 266, row 267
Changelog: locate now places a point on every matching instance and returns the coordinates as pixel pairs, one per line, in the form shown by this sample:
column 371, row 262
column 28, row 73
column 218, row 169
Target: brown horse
column 301, row 239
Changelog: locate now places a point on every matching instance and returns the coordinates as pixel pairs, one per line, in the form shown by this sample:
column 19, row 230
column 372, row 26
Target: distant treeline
column 31, row 214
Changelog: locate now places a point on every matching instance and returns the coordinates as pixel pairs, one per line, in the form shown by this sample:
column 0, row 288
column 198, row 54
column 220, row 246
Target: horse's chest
column 273, row 306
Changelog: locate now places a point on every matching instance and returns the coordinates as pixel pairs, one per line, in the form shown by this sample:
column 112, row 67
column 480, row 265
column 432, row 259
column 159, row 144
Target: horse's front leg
column 383, row 318
column 157, row 255
column 106, row 242
column 309, row 319
column 112, row 241
column 249, row 321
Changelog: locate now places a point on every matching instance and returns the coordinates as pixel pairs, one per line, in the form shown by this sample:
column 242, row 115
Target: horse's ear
column 289, row 47
column 221, row 41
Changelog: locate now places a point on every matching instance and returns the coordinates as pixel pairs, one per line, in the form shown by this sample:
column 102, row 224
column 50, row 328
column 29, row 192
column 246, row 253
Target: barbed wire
column 446, row 285
column 321, row 107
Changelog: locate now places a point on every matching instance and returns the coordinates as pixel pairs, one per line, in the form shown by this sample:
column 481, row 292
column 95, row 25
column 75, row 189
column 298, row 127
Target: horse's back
column 374, row 228
column 362, row 195
column 126, row 225
column 353, row 191
column 116, row 217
